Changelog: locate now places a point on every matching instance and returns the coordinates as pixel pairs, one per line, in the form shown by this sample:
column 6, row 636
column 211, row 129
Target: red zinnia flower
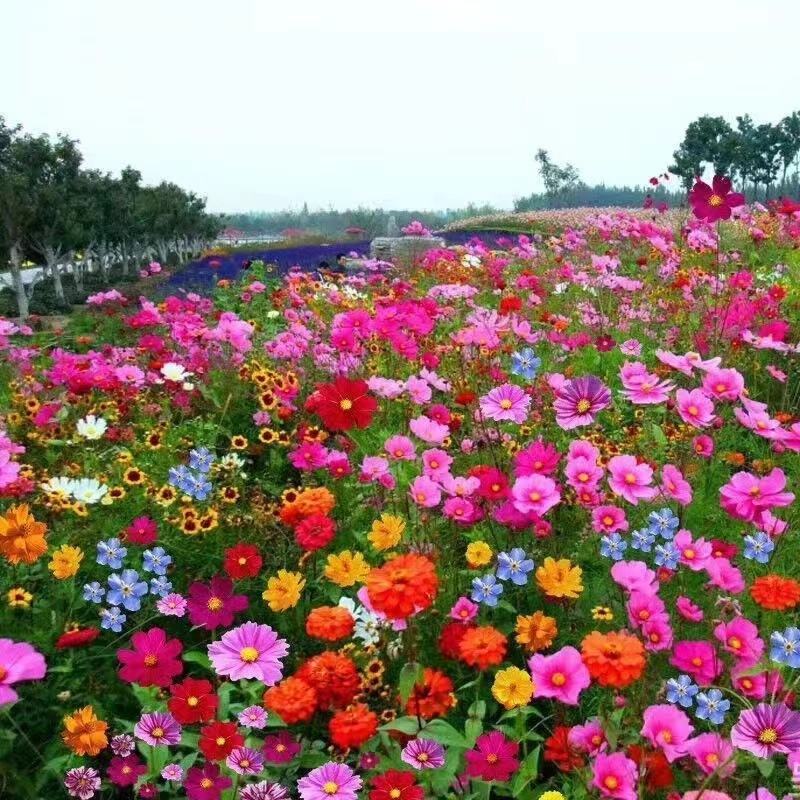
column 343, row 404
column 242, row 561
column 560, row 752
column 79, row 638
column 353, row 726
column 153, row 661
column 715, row 202
column 193, row 701
column 314, row 532
column 214, row 604
column 218, row 739
column 395, row 784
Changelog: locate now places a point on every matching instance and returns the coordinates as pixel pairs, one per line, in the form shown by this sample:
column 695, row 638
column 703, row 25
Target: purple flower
column 173, row 605
column 264, row 790
column 506, row 403
column 244, row 761
column 423, row 754
column 172, row 772
column 766, row 730
column 82, row 782
column 578, row 401
column 249, row 651
column 157, row 729
column 253, row 717
column 122, row 744
column 331, row 781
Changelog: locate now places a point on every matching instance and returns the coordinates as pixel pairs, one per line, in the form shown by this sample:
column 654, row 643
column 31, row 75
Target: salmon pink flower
column 703, row 446
column 399, row 448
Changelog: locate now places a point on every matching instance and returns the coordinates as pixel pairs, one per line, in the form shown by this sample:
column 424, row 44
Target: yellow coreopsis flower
column 602, row 614
column 346, row 568
column 65, row 561
column 559, row 578
column 479, row 554
column 283, row 590
column 552, row 796
column 386, row 532
column 19, row 597
column 513, row 687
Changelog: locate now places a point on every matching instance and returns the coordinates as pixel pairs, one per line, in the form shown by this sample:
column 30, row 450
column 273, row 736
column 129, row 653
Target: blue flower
column 93, row 592
column 514, row 566
column 160, row 586
column 667, row 555
column 758, row 547
column 525, row 363
column 486, row 590
column 613, row 546
column 681, row 690
column 663, row 522
column 126, row 590
column 643, row 540
column 201, row 459
column 711, row 706
column 785, row 647
column 112, row 619
column 110, row 553
column 195, row 484
column 156, row 561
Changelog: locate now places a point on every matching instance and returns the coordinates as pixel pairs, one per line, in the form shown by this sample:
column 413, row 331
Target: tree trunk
column 51, row 259
column 16, row 277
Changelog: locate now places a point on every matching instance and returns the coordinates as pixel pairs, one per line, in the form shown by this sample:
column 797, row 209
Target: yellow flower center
column 150, row 660
column 715, row 200
column 492, row 758
column 558, row 679
column 345, row 405
column 206, row 783
column 242, row 561
column 248, row 654
column 214, row 604
column 768, row 736
column 3, row 672
column 755, row 490
column 220, row 740
column 693, row 411
column 608, row 520
column 688, row 553
column 395, row 793
column 331, row 787
column 583, row 477
column 630, row 478
column 666, row 736
column 735, row 642
column 423, row 757
column 157, row 733
column 696, row 661
column 505, row 403
column 611, row 782
column 535, row 496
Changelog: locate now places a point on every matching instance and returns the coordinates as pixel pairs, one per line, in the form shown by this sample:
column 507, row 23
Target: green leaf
column 473, row 728
column 403, row 724
column 444, row 733
column 528, row 771
column 765, row 766
column 658, row 435
column 198, row 657
column 410, row 676
column 477, row 709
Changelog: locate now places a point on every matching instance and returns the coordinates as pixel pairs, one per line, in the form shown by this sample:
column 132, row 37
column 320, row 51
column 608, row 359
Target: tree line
column 85, row 224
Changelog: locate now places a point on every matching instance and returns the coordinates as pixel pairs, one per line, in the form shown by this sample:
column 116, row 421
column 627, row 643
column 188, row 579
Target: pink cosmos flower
column 644, row 606
column 694, row 553
column 615, row 776
column 214, row 604
column 464, row 610
column 767, row 729
column 375, row 469
column 171, row 605
column 583, row 473
column 418, row 390
column 309, row 456
column 697, row 658
column 607, row 519
column 725, row 575
column 589, row 738
column 667, row 727
column 562, row 675
column 331, row 781
column 428, row 430
column 461, row 510
column 715, row 202
column 710, row 752
column 740, row 638
column 399, row 448
column 657, row 633
column 245, row 761
column 494, row 757
column 506, row 403
column 706, row 794
column 422, row 754
column 703, row 445
column 425, row 492
column 19, row 661
column 535, row 493
column 538, row 457
column 674, row 486
column 746, row 496
column 249, row 651
column 635, row 576
column 579, row 401
column 253, row 717
column 158, row 729
column 642, row 387
column 630, row 480
column 82, row 782
column 723, row 384
column 694, row 407
column 459, row 486
column 436, row 464
column 689, row 610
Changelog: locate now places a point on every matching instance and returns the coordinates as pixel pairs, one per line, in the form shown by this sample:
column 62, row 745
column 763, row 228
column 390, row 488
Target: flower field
column 513, row 522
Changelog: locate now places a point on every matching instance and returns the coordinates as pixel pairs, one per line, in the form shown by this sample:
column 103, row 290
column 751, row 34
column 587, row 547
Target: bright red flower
column 218, row 739
column 395, row 784
column 715, row 202
column 559, row 751
column 314, row 532
column 153, row 661
column 79, row 638
column 653, row 767
column 193, row 701
column 242, row 561
column 343, row 404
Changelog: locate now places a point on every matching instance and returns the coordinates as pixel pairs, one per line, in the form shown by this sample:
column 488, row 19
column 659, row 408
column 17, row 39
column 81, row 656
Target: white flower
column 88, row 490
column 175, row 372
column 368, row 626
column 273, row 314
column 91, row 427
column 61, row 486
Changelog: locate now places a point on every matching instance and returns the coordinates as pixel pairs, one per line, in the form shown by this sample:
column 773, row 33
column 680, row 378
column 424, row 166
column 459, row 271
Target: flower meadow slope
column 516, row 522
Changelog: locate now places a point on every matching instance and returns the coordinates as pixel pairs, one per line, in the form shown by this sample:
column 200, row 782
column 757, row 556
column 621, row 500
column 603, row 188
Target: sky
column 263, row 105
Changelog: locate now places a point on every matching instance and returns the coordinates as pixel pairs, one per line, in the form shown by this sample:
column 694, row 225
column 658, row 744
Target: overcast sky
column 394, row 103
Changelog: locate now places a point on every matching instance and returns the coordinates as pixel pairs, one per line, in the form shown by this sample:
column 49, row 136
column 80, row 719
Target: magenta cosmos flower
column 562, row 675
column 249, row 651
column 264, row 790
column 694, row 407
column 494, row 758
column 506, row 403
column 157, row 729
column 331, row 781
column 579, row 401
column 766, row 730
column 206, row 783
column 244, row 761
column 615, row 776
column 213, row 605
column 280, row 748
column 667, row 727
column 423, row 754
column 715, row 202
column 19, row 661
column 747, row 496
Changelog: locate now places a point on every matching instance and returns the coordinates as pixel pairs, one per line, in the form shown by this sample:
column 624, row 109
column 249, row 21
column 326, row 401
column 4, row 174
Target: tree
column 708, row 140
column 557, row 180
column 789, row 143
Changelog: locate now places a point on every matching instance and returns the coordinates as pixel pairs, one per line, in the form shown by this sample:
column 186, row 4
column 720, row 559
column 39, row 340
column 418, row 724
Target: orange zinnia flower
column 329, row 623
column 483, row 646
column 432, row 696
column 775, row 593
column 318, row 500
column 613, row 659
column 84, row 733
column 352, row 727
column 334, row 678
column 403, row 586
column 293, row 700
column 21, row 536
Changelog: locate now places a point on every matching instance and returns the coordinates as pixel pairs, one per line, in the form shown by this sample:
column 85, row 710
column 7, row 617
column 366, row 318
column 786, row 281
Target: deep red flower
column 214, row 604
column 154, row 659
column 715, row 202
column 343, row 404
column 218, row 739
column 395, row 784
column 79, row 638
column 653, row 767
column 242, row 561
column 125, row 771
column 314, row 532
column 142, row 530
column 193, row 701
column 786, row 206
column 558, row 750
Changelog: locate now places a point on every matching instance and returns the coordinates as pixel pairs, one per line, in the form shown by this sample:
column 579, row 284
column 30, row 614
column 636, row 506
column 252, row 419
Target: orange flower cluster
column 403, row 586
column 353, row 726
column 432, row 696
column 329, row 623
column 84, row 733
column 293, row 700
column 21, row 536
column 614, row 659
column 299, row 505
column 483, row 646
column 776, row 593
